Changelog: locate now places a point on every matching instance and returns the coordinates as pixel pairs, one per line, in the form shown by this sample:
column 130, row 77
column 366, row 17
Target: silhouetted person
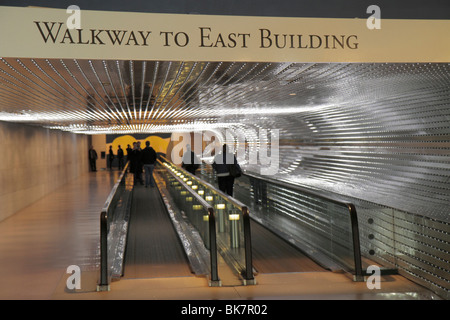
column 93, row 158
column 221, row 165
column 190, row 161
column 129, row 150
column 137, row 162
column 148, row 160
column 120, row 157
column 111, row 157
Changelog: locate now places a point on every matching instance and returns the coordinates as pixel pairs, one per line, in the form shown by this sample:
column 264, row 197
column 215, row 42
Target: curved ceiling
column 98, row 96
column 378, row 132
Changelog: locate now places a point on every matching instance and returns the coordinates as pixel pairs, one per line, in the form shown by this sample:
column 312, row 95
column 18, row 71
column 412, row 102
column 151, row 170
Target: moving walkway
column 187, row 227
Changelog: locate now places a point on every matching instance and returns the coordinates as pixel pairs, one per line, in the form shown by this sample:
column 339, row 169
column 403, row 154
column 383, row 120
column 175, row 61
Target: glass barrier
column 232, row 222
column 326, row 226
column 114, row 219
column 198, row 211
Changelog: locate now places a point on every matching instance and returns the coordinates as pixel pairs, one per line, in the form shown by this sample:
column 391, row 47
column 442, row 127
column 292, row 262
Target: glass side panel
column 229, row 218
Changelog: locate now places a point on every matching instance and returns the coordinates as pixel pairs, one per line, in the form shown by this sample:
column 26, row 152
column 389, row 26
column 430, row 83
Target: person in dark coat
column 148, row 160
column 129, row 151
column 120, row 157
column 190, row 161
column 93, row 158
column 221, row 166
column 137, row 162
column 111, row 157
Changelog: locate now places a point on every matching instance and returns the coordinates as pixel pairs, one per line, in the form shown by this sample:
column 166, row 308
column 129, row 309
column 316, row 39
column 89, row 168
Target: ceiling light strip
column 161, row 89
column 233, row 96
column 150, row 94
column 28, row 90
column 177, row 111
column 236, row 83
column 168, row 107
column 40, row 110
column 169, row 90
column 123, row 112
column 131, row 63
column 105, row 108
column 181, row 88
column 90, row 110
column 47, row 92
column 111, row 104
column 144, row 70
column 176, row 105
column 189, row 109
column 46, row 106
column 69, row 95
column 124, row 91
column 103, row 105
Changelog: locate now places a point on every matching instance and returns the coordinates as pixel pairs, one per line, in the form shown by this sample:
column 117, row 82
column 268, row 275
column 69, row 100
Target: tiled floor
column 38, row 243
column 278, row 286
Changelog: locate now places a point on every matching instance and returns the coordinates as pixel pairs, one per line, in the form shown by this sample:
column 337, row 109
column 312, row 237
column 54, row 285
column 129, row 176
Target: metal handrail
column 247, row 273
column 229, row 198
column 105, row 214
column 359, row 273
column 211, row 222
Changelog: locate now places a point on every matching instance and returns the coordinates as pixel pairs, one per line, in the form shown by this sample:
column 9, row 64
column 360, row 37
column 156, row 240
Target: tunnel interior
column 376, row 133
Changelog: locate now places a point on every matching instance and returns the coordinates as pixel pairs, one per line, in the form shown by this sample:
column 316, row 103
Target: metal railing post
column 214, row 282
column 359, row 276
column 104, row 283
column 248, row 272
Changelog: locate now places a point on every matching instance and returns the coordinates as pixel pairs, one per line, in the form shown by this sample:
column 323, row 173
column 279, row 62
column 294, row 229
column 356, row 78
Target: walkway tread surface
column 153, row 248
column 271, row 254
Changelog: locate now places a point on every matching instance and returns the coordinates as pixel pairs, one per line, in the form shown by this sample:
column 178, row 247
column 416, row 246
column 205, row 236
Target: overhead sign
column 85, row 34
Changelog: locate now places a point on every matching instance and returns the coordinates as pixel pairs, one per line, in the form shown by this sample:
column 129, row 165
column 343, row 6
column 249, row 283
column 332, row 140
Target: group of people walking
column 120, row 157
column 225, row 164
column 142, row 159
